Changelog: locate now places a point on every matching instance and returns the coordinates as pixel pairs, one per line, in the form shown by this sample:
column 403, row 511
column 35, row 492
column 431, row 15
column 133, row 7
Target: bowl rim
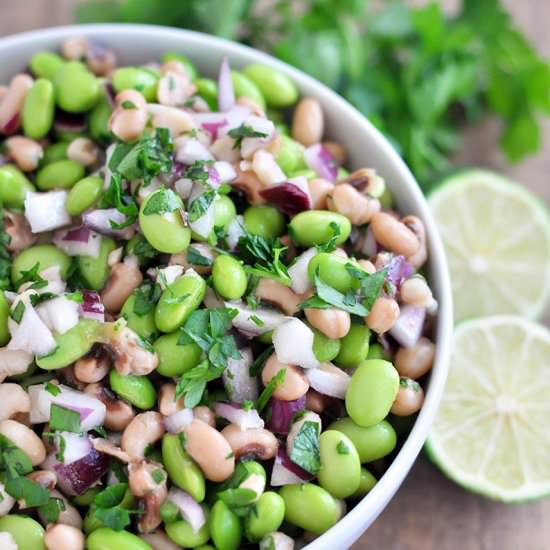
column 375, row 501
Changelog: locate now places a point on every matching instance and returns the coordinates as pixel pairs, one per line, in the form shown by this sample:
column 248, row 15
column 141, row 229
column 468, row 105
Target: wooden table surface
column 429, row 512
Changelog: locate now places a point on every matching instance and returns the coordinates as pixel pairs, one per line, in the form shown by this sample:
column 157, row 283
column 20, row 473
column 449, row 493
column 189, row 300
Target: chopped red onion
column 235, row 414
column 289, row 197
column 298, row 271
column 46, row 211
column 11, row 126
column 398, row 270
column 238, row 383
column 329, row 380
column 109, row 93
column 190, row 510
column 211, row 122
column 226, row 94
column 408, row 328
column 189, row 150
column 92, row 307
column 175, row 423
column 100, row 221
column 285, row 472
column 78, row 241
column 282, row 412
column 213, row 177
column 59, row 314
column 76, row 446
column 243, row 321
column 321, row 161
column 31, row 334
column 293, row 341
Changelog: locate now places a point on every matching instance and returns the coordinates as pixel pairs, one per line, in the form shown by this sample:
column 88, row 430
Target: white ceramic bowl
column 365, row 146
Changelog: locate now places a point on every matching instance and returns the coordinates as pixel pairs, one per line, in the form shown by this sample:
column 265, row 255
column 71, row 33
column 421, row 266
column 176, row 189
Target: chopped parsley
column 116, row 197
column 146, row 298
column 126, row 104
column 258, row 363
column 109, row 507
column 31, row 275
column 244, row 131
column 247, row 405
column 342, row 448
column 17, row 312
column 52, row 388
column 77, row 297
column 330, row 245
column 52, row 509
column 161, row 202
column 158, row 476
column 39, row 298
column 197, row 208
column 272, row 385
column 5, row 256
column 198, row 171
column 144, row 250
column 256, row 320
column 196, row 258
column 64, row 420
column 305, row 451
column 237, row 497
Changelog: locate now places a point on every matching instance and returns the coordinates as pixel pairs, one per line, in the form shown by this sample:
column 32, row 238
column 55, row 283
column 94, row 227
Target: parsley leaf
column 305, row 451
column 31, row 275
column 258, row 363
column 196, row 258
column 145, row 298
column 330, row 245
column 271, row 386
column 109, row 507
column 158, row 476
column 17, row 312
column 52, row 509
column 12, row 459
column 198, row 171
column 342, row 448
column 5, row 256
column 244, row 131
column 64, row 420
column 237, row 497
column 43, row 297
column 31, row 492
column 162, row 201
column 52, row 388
column 126, row 104
column 198, row 206
column 115, row 197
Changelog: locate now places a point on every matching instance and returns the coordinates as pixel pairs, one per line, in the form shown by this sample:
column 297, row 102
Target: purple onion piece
column 11, row 125
column 408, row 328
column 282, row 412
column 77, row 477
column 321, row 161
column 213, row 127
column 285, row 472
column 69, row 122
column 109, row 92
column 80, row 234
column 92, row 307
column 398, row 270
column 226, row 94
column 287, row 197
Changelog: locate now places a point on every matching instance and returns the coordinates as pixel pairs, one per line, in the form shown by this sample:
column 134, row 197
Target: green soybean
column 264, row 221
column 84, row 194
column 314, row 227
column 229, row 277
column 355, row 346
column 72, row 345
column 46, row 64
column 98, row 121
column 77, row 90
column 188, row 65
column 224, row 211
column 86, row 498
column 371, row 443
column 137, row 390
column 38, row 109
column 340, row 471
column 14, row 185
column 366, row 483
column 277, row 88
column 324, row 348
column 225, row 527
column 174, row 359
column 310, row 507
column 386, row 199
column 208, row 90
column 178, row 301
column 181, row 469
column 244, row 87
column 169, row 512
column 290, row 156
column 27, row 533
column 331, row 270
column 105, row 538
column 371, row 392
column 376, row 351
column 143, row 325
column 182, row 534
column 61, row 173
column 306, row 172
column 54, row 152
column 46, row 255
column 136, row 78
column 205, row 547
column 4, row 316
column 267, row 516
column 166, row 232
column 95, row 271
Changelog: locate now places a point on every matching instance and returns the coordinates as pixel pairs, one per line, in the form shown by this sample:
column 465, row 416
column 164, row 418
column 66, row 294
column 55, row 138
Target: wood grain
column 429, row 512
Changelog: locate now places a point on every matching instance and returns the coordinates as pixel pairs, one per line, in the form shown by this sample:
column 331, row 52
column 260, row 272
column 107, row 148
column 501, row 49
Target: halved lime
column 497, row 239
column 492, row 432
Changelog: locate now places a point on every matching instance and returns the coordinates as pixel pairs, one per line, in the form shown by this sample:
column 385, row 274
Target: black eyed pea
column 168, row 404
column 301, row 499
column 118, row 413
column 45, row 64
column 174, row 359
column 354, row 347
column 84, row 194
column 333, row 323
column 416, row 292
column 225, row 527
column 173, row 118
column 12, row 102
column 137, row 390
column 314, row 227
column 95, row 271
column 416, row 361
column 124, row 278
column 27, row 533
column 24, row 438
column 84, row 151
column 383, row 315
column 159, row 541
column 74, row 48
column 277, row 88
column 394, row 235
column 174, row 88
column 60, row 536
column 409, row 398
column 274, row 292
column 184, row 61
column 358, row 208
column 319, row 189
column 183, row 535
column 340, row 471
column 77, row 90
column 202, row 412
column 417, row 227
column 254, row 442
column 14, row 400
column 267, row 516
column 308, row 121
column 128, row 124
column 336, row 150
column 92, row 368
column 59, row 174
column 38, row 109
column 256, row 110
column 295, row 383
column 229, row 277
column 13, row 186
column 132, row 354
column 106, row 538
column 145, row 429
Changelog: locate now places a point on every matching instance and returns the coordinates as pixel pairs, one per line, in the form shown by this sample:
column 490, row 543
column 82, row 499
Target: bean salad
column 213, row 334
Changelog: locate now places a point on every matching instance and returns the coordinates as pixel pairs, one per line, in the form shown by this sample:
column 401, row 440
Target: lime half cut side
column 497, row 240
column 492, row 432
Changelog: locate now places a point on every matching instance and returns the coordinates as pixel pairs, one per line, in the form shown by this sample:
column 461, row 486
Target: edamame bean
column 98, row 121
column 4, row 315
column 137, row 390
column 244, row 87
column 310, row 507
column 169, row 512
column 371, row 443
column 86, row 498
column 95, row 271
column 371, row 392
column 386, row 199
column 208, row 90
column 38, row 109
column 229, row 277
column 61, row 173
column 174, row 359
column 332, row 270
column 143, row 325
column 355, row 346
column 27, row 533
column 105, row 538
column 183, row 535
column 181, row 469
column 46, row 64
column 54, row 152
column 266, row 337
column 188, row 65
column 178, row 301
column 314, row 227
column 366, row 483
column 264, row 221
column 83, row 195
column 205, row 547
column 77, row 90
column 72, row 345
column 166, row 232
column 224, row 211
column 277, row 88
column 136, row 78
column 266, row 516
column 324, row 348
column 340, row 471
column 13, row 186
column 291, row 155
column 46, row 255
column 307, row 173
column 225, row 527
column 376, row 351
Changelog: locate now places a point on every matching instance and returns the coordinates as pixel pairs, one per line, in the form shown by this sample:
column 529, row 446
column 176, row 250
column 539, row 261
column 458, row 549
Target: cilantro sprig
column 244, row 131
column 305, row 451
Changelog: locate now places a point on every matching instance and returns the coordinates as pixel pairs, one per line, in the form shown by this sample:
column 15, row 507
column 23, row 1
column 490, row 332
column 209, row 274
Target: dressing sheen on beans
column 210, row 327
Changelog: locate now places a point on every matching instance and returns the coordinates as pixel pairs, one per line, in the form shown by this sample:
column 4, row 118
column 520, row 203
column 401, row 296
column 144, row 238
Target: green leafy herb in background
column 418, row 74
